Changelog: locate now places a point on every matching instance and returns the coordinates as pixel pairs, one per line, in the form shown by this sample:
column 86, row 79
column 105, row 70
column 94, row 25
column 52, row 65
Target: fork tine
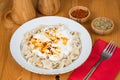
column 111, row 47
column 107, row 47
column 113, row 50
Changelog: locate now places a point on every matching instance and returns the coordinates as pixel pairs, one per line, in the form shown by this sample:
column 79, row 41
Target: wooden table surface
column 10, row 70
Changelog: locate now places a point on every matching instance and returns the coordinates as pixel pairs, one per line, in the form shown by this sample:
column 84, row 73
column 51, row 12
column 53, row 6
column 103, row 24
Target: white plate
column 48, row 20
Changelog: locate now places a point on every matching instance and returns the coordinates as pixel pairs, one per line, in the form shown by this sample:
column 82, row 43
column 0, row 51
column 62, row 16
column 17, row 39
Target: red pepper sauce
column 79, row 13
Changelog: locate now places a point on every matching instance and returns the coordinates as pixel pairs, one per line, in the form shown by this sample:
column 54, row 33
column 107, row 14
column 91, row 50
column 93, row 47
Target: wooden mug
column 48, row 7
column 22, row 11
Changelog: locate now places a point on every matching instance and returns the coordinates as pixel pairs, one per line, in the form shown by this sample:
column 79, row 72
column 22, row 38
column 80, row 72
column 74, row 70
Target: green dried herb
column 102, row 24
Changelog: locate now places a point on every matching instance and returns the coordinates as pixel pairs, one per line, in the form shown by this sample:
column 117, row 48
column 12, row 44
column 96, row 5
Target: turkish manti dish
column 51, row 46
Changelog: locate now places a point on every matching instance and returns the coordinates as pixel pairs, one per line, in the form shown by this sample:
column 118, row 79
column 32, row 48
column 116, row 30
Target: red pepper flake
column 79, row 13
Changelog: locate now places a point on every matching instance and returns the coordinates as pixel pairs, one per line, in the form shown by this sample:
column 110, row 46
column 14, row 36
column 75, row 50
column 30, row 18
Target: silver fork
column 106, row 54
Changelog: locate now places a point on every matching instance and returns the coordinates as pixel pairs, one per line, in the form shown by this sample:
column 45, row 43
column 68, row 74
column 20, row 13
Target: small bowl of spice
column 79, row 13
column 102, row 25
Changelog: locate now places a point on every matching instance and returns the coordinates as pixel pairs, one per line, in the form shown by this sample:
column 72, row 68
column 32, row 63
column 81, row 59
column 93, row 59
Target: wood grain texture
column 10, row 70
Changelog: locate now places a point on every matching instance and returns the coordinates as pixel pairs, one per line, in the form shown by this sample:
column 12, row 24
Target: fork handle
column 92, row 70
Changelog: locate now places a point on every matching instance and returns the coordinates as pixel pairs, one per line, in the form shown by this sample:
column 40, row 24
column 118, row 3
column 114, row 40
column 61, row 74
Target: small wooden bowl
column 81, row 20
column 101, row 31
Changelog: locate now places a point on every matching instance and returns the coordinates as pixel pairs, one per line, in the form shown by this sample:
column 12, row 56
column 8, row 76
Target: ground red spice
column 79, row 13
